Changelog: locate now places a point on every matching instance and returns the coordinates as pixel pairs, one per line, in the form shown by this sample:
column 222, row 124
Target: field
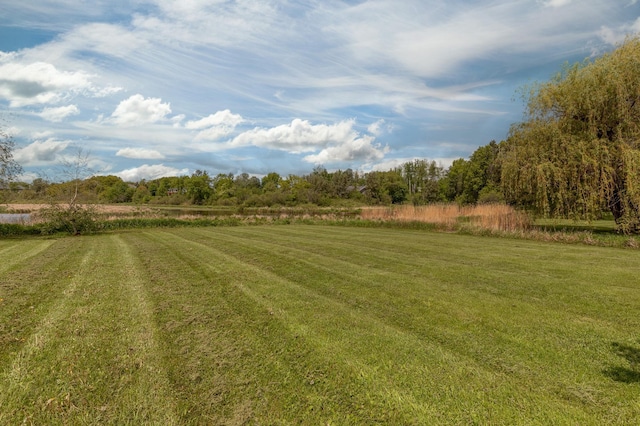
column 315, row 325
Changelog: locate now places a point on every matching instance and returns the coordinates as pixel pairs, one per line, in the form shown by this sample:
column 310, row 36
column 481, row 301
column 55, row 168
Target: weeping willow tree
column 578, row 152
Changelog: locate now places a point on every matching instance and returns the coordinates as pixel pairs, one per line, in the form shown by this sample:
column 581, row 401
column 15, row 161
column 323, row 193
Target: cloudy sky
column 160, row 87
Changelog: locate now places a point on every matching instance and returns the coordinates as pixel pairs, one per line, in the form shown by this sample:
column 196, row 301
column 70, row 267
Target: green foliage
column 74, row 219
column 578, row 152
column 421, row 179
column 17, row 229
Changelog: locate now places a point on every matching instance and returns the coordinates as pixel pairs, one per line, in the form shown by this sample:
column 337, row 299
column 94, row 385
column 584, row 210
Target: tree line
column 418, row 181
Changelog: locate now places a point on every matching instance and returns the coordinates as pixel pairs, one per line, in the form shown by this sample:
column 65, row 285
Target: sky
column 153, row 88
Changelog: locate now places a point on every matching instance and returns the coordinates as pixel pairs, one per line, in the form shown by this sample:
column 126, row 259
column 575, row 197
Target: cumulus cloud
column 38, row 82
column 60, row 113
column 150, row 172
column 360, row 149
column 40, row 152
column 338, row 142
column 297, row 137
column 140, row 153
column 215, row 126
column 219, row 118
column 138, row 110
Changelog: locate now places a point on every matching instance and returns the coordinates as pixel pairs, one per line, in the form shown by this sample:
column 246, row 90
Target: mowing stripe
column 250, row 255
column 317, row 324
column 20, row 252
column 18, row 378
column 94, row 357
column 153, row 386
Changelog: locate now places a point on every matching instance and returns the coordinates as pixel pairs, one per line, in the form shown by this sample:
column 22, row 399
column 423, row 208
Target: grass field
column 316, row 325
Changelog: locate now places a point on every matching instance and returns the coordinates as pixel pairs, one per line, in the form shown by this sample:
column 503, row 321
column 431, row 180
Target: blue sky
column 155, row 88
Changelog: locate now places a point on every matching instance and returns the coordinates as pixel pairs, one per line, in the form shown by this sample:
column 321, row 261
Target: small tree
column 72, row 216
column 578, row 152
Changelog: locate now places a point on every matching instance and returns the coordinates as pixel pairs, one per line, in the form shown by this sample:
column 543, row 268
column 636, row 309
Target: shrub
column 74, row 219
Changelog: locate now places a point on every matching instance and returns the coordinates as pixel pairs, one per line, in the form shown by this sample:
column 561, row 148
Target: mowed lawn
column 317, row 325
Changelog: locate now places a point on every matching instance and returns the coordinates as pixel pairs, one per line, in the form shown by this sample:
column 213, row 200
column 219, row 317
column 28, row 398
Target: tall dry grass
column 493, row 217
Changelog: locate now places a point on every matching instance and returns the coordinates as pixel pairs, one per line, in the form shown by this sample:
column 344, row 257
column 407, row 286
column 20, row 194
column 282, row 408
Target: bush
column 74, row 219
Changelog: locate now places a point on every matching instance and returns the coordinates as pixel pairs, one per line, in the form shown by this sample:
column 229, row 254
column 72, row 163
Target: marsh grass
column 493, row 217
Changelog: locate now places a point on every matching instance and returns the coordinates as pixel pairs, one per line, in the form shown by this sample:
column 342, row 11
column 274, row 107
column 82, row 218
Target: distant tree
column 223, row 187
column 39, row 186
column 199, row 187
column 142, row 193
column 297, row 189
column 482, row 175
column 343, row 183
column 578, row 152
column 421, row 178
column 385, row 187
column 271, row 182
column 108, row 189
column 452, row 185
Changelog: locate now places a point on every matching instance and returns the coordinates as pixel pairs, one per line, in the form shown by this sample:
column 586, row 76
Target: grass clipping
column 489, row 217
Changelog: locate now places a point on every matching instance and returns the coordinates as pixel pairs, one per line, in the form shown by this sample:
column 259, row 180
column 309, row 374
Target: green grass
column 316, row 325
column 568, row 225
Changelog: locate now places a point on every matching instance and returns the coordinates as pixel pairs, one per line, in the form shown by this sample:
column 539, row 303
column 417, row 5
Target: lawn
column 316, row 325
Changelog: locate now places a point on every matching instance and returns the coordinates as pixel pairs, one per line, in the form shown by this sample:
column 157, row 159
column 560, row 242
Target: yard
column 308, row 324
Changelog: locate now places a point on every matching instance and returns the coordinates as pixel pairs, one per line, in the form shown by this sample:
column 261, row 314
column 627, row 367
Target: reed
column 493, row 217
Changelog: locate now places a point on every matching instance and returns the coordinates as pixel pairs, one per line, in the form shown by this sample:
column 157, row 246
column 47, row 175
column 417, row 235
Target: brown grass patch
column 494, row 217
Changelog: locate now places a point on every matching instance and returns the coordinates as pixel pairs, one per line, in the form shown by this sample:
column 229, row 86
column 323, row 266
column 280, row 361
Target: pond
column 15, row 217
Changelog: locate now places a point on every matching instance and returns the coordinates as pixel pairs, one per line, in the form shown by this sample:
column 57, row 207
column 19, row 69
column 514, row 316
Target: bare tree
column 72, row 217
column 9, row 168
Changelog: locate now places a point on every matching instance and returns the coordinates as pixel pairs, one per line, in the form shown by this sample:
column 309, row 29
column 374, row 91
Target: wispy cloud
column 59, row 113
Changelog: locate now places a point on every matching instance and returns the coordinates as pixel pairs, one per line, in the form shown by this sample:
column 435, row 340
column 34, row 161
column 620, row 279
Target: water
column 15, row 217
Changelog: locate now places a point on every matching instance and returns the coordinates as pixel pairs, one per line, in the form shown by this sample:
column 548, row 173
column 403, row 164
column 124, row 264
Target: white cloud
column 140, row 153
column 177, row 119
column 225, row 118
column 376, row 128
column 60, row 113
column 338, row 142
column 215, row 126
column 360, row 149
column 432, row 42
column 150, row 172
column 105, row 39
column 102, row 92
column 11, row 131
column 299, row 136
column 42, row 135
column 556, row 3
column 616, row 36
column 137, row 110
column 40, row 152
column 38, row 83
